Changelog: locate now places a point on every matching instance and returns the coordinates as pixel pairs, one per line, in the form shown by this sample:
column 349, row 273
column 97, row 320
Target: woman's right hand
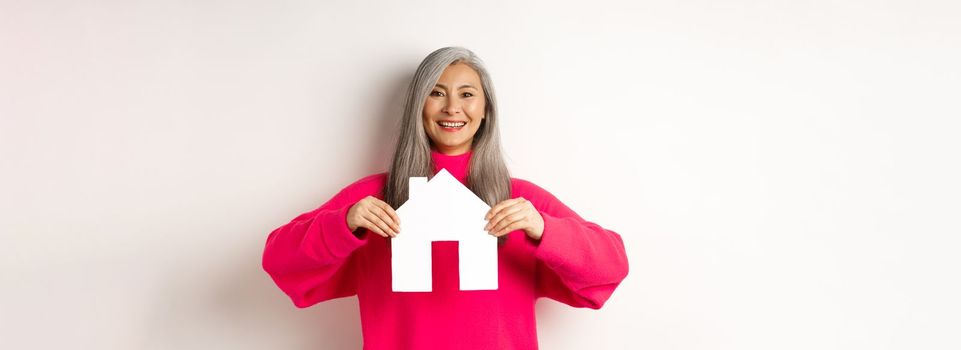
column 375, row 215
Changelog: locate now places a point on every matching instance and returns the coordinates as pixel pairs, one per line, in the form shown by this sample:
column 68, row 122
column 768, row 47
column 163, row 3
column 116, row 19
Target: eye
column 468, row 94
column 436, row 93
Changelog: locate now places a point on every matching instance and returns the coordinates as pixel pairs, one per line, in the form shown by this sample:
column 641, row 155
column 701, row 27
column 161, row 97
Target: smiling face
column 454, row 109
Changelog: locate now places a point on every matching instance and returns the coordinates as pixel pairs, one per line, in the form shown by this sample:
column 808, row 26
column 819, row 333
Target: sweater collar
column 457, row 165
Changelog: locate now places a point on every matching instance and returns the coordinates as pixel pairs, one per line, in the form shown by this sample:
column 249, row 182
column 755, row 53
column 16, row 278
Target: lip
column 443, row 128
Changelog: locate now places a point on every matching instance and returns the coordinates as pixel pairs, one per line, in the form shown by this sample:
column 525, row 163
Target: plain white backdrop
column 784, row 174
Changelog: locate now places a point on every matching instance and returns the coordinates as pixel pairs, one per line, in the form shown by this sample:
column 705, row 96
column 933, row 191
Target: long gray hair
column 488, row 176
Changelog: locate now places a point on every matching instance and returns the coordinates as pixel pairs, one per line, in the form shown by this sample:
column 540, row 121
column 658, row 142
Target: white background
column 784, row 173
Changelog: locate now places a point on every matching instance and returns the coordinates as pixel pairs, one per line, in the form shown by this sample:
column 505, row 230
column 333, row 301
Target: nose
column 452, row 107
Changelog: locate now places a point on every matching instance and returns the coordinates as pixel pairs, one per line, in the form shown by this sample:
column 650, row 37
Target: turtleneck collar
column 457, row 165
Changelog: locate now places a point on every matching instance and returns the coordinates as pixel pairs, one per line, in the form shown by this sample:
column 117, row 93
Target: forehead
column 459, row 73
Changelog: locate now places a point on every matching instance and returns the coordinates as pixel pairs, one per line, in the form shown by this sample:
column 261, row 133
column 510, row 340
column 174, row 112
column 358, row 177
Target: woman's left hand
column 515, row 214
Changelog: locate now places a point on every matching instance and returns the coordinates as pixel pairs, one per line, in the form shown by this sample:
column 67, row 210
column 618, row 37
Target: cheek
column 475, row 108
column 431, row 108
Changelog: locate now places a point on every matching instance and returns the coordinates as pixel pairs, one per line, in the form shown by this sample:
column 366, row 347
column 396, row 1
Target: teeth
column 452, row 125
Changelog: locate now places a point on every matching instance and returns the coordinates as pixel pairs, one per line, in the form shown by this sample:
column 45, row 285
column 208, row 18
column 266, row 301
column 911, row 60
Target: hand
column 375, row 215
column 515, row 214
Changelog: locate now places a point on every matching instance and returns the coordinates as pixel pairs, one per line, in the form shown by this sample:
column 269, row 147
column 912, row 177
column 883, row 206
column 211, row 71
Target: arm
column 579, row 263
column 312, row 258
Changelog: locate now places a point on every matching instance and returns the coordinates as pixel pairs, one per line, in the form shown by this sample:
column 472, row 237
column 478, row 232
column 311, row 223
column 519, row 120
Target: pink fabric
column 315, row 257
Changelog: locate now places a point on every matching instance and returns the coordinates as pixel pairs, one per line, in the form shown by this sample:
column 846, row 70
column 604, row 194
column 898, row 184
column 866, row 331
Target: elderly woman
column 545, row 249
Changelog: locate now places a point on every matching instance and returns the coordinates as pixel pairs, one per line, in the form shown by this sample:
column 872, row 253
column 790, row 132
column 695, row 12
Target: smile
column 451, row 125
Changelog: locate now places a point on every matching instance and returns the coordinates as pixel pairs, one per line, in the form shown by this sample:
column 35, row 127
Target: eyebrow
column 461, row 87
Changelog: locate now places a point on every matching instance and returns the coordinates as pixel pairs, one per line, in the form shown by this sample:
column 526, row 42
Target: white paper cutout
column 442, row 209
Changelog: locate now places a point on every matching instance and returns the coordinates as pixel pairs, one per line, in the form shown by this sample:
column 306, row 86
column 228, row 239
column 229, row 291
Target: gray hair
column 488, row 176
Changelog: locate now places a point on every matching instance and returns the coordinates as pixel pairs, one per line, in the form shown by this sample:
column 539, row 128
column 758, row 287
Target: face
column 454, row 109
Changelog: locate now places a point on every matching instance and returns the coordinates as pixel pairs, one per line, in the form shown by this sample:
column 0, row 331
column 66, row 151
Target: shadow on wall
column 384, row 139
column 234, row 304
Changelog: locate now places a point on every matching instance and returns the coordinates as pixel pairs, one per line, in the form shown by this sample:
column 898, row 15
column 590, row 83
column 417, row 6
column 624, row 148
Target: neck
column 451, row 151
column 457, row 165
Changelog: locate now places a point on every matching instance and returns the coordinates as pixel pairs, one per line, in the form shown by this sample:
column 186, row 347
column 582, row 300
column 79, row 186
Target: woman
column 342, row 248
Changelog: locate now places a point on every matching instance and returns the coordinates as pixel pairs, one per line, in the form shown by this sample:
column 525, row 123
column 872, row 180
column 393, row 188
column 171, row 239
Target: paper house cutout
column 442, row 209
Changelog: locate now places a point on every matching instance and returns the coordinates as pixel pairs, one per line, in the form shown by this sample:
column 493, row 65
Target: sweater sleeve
column 579, row 263
column 312, row 258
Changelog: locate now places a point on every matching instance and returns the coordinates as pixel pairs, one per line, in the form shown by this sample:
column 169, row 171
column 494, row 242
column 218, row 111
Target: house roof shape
column 447, row 208
column 442, row 209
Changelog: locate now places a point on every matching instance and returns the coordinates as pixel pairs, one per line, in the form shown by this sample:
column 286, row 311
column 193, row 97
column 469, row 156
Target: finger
column 390, row 212
column 380, row 223
column 502, row 214
column 496, row 208
column 370, row 226
column 516, row 225
column 509, row 219
column 386, row 219
column 499, row 206
column 497, row 219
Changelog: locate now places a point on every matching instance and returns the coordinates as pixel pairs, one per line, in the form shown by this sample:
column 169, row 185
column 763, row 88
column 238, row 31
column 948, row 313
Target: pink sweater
column 315, row 257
